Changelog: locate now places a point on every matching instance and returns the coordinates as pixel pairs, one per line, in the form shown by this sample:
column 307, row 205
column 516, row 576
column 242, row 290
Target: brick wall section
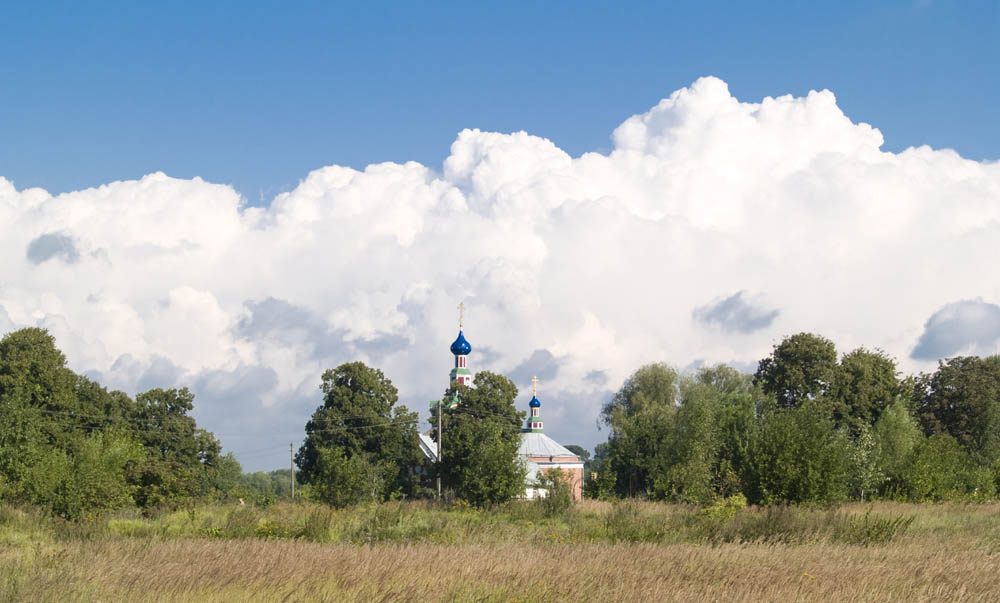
column 575, row 475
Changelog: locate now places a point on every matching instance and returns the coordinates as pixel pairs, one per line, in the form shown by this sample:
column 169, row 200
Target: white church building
column 539, row 452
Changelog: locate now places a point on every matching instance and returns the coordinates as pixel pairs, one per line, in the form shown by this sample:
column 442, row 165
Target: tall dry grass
column 946, row 552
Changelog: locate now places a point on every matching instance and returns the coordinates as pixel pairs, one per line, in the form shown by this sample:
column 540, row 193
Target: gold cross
column 534, row 387
column 461, row 314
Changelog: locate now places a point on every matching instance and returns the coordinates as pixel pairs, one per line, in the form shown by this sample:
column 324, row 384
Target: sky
column 234, row 197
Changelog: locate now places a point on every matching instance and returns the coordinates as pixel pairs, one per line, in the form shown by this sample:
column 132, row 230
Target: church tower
column 534, row 424
column 461, row 348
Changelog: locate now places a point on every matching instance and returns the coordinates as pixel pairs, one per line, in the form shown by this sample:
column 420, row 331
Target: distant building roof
column 428, row 446
column 536, row 444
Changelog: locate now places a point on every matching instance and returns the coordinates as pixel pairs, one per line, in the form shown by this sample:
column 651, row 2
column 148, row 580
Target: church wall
column 572, row 470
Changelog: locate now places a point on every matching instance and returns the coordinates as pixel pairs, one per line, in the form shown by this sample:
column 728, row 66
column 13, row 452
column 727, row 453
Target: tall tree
column 359, row 445
column 800, row 368
column 641, row 416
column 177, row 451
column 482, row 435
column 896, row 434
column 864, row 385
column 962, row 399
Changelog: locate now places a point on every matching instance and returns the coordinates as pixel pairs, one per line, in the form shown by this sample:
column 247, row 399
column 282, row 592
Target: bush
column 316, row 527
column 626, row 522
column 241, row 523
column 558, row 497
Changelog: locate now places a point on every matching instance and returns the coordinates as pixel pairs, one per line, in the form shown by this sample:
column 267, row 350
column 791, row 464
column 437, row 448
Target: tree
column 962, row 399
column 359, row 445
column 866, row 474
column 177, row 451
column 640, row 416
column 800, row 368
column 482, row 434
column 579, row 451
column 939, row 469
column 796, row 456
column 599, row 479
column 864, row 384
column 896, row 434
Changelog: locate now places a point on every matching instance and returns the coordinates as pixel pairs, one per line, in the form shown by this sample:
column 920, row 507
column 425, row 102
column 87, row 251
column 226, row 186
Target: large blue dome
column 534, row 402
column 461, row 347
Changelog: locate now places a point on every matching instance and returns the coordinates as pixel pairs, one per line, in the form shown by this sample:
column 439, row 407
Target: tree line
column 806, row 427
column 71, row 446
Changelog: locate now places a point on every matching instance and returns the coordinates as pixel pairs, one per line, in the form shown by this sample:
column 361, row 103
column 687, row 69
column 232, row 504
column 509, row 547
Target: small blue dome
column 534, row 402
column 461, row 347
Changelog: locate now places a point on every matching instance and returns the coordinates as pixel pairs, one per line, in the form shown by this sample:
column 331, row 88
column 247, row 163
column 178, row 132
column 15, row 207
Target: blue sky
column 258, row 94
column 710, row 225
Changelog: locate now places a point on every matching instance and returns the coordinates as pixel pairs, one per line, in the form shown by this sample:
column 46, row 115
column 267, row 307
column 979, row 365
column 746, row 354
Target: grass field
column 596, row 552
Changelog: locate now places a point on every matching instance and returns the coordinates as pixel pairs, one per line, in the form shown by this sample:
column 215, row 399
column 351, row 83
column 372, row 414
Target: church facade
column 539, row 453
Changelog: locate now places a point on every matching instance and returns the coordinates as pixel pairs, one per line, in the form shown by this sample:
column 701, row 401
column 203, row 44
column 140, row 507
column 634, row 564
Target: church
column 539, row 452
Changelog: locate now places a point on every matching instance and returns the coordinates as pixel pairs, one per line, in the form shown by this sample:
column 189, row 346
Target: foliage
column 796, row 456
column 359, row 445
column 557, row 499
column 940, row 469
column 864, row 385
column 579, row 451
column 896, row 433
column 640, row 416
column 962, row 399
column 598, row 478
column 865, row 471
column 482, row 434
column 68, row 444
column 800, row 368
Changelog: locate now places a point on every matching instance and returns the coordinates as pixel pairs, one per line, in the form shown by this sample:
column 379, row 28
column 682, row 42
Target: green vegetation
column 479, row 462
column 804, row 429
column 70, row 446
column 359, row 445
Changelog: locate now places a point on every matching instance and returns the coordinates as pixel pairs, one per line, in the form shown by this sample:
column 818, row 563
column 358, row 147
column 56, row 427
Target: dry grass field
column 599, row 552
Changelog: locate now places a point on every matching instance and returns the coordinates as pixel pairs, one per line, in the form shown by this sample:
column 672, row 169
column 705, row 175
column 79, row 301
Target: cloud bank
column 590, row 265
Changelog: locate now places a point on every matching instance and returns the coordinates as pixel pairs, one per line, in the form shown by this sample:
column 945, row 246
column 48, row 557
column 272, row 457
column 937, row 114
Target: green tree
column 359, row 444
column 940, row 469
column 599, row 479
column 896, row 434
column 802, row 367
column 962, row 399
column 640, row 416
column 797, row 456
column 579, row 451
column 482, row 434
column 687, row 467
column 706, row 453
column 865, row 472
column 177, row 451
column 864, row 384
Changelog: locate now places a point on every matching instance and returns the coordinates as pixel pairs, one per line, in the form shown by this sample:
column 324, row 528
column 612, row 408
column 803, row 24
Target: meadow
column 595, row 551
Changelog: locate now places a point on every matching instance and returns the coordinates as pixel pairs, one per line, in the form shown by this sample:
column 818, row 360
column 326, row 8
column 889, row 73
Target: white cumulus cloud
column 603, row 262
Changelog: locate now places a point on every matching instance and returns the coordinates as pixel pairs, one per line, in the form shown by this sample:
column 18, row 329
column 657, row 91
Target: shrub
column 558, row 497
column 241, row 523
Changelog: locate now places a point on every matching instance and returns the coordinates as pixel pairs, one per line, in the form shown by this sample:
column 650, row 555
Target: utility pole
column 291, row 464
column 440, row 442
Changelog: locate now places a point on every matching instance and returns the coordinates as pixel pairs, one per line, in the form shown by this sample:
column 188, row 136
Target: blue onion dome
column 461, row 347
column 534, row 402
